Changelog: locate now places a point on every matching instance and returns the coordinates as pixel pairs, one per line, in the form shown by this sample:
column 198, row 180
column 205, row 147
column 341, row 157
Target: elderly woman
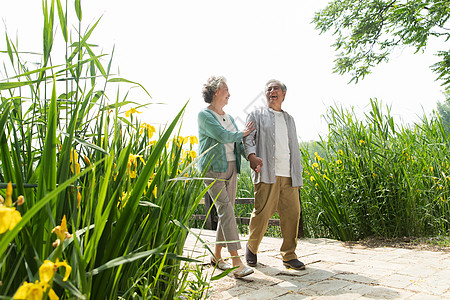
column 218, row 129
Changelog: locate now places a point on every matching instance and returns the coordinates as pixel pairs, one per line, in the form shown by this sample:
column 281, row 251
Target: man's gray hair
column 211, row 87
column 283, row 86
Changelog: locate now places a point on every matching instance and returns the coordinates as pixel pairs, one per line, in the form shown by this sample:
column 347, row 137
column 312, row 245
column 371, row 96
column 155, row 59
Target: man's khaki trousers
column 278, row 197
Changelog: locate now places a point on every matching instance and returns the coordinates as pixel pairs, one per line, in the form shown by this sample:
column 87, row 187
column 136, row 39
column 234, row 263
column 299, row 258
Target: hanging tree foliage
column 366, row 32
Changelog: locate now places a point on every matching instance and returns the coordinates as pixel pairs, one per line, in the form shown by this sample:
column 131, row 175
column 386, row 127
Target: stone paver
column 333, row 271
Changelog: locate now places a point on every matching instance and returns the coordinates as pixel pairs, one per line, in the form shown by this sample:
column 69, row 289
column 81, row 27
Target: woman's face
column 221, row 96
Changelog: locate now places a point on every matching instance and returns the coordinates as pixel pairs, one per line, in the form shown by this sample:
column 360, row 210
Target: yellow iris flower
column 149, row 128
column 132, row 111
column 36, row 291
column 132, row 164
column 74, row 157
column 188, row 154
column 9, row 191
column 61, row 230
column 48, row 269
column 32, row 291
column 20, row 200
column 193, row 140
column 326, row 177
column 78, row 197
column 9, row 216
column 318, row 156
column 179, row 140
column 87, row 161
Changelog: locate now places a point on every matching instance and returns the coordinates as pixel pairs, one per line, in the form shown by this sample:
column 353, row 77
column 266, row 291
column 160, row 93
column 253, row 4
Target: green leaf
column 8, row 47
column 5, row 153
column 117, row 105
column 62, row 20
column 68, row 286
column 128, row 81
column 96, row 61
column 28, row 73
column 13, row 85
column 85, row 143
column 148, row 204
column 47, row 180
column 222, row 275
column 101, row 214
column 78, row 9
column 126, row 259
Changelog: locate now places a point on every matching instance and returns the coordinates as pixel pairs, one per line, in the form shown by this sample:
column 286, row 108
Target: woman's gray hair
column 211, row 87
column 283, row 86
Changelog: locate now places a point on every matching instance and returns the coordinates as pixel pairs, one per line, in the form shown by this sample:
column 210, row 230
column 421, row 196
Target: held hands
column 255, row 162
column 249, row 128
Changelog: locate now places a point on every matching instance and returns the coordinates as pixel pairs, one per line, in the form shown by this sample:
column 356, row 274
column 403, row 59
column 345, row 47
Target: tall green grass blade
column 101, row 214
column 67, row 285
column 7, row 167
column 118, row 105
column 78, row 9
column 48, row 30
column 128, row 81
column 28, row 73
column 125, row 259
column 9, row 50
column 62, row 20
column 96, row 61
column 13, row 85
column 48, row 179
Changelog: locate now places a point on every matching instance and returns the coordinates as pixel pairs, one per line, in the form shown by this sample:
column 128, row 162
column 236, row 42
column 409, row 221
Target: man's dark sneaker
column 294, row 264
column 251, row 258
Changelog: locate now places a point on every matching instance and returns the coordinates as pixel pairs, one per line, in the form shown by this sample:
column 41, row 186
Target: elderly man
column 274, row 155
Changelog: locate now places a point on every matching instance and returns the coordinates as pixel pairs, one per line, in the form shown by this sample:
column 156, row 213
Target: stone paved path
column 333, row 271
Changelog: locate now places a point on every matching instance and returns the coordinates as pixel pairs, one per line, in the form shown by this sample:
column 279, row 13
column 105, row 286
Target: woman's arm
column 212, row 128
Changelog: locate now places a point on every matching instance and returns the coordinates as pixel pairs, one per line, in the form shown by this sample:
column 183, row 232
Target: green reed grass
column 127, row 200
column 377, row 178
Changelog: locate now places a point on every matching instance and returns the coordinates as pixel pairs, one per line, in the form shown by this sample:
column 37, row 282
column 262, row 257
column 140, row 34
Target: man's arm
column 250, row 146
column 250, row 140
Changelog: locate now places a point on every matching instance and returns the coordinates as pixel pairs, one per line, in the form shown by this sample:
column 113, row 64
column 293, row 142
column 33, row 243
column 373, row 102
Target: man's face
column 274, row 95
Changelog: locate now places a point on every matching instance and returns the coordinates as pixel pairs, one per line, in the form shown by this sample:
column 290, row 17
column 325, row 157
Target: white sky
column 172, row 47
